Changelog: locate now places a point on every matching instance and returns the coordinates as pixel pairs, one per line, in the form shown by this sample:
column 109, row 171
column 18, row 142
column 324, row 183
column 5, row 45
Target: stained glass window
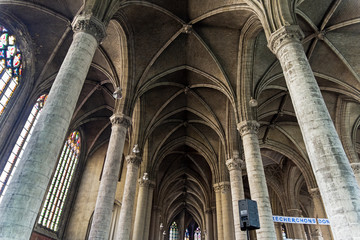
column 55, row 199
column 20, row 145
column 187, row 235
column 174, row 232
column 197, row 234
column 10, row 67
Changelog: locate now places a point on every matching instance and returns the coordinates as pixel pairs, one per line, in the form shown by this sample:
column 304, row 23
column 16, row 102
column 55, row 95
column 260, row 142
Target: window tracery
column 60, row 184
column 174, row 232
column 20, row 145
column 10, row 67
column 197, row 234
column 187, row 235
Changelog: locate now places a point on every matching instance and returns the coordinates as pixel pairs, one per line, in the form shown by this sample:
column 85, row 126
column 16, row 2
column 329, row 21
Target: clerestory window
column 10, row 67
column 18, row 150
column 174, row 232
column 53, row 206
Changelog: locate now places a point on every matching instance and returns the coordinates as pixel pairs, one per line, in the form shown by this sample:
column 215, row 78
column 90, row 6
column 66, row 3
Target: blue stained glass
column 174, row 232
column 10, row 55
column 9, row 63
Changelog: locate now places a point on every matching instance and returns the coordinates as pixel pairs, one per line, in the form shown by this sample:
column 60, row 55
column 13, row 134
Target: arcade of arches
column 147, row 120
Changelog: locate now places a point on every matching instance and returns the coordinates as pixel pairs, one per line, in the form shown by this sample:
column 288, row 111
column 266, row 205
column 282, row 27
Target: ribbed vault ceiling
column 184, row 67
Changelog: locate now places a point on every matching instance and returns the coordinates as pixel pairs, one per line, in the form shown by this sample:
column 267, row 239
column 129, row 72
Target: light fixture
column 145, row 177
column 253, row 102
column 164, row 233
column 136, row 149
column 161, row 226
column 118, row 93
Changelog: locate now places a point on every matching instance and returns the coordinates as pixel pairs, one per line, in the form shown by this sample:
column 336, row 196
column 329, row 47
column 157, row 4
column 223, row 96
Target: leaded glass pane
column 55, row 199
column 197, row 234
column 174, row 232
column 20, row 145
column 10, row 67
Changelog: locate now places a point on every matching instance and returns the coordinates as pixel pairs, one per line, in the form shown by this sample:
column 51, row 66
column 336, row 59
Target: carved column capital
column 91, row 25
column 217, row 187
column 283, row 36
column 356, row 168
column 224, row 187
column 120, row 119
column 133, row 159
column 208, row 211
column 315, row 193
column 234, row 164
column 315, row 234
column 295, row 212
column 248, row 127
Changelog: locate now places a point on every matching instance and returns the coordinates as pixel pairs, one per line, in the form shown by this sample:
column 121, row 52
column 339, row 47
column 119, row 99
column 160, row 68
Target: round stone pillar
column 335, row 178
column 278, row 231
column 155, row 223
column 139, row 223
column 148, row 210
column 298, row 229
column 100, row 226
column 214, row 221
column 256, row 175
column 320, row 213
column 219, row 221
column 209, row 226
column 126, row 212
column 227, row 213
column 237, row 192
column 356, row 168
column 21, row 203
column 143, row 210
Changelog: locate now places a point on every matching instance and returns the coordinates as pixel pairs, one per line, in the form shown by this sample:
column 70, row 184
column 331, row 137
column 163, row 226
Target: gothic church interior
column 180, row 109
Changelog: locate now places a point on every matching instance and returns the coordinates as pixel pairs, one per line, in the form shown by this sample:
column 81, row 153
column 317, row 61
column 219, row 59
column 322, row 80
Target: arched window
column 187, row 235
column 197, row 234
column 20, row 145
column 10, row 67
column 55, row 199
column 174, row 232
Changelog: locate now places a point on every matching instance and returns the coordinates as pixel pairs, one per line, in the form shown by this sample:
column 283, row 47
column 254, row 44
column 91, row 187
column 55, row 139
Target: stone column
column 209, row 226
column 21, row 203
column 256, row 175
column 126, row 213
column 298, row 229
column 237, row 192
column 214, row 218
column 155, row 223
column 278, row 230
column 143, row 210
column 100, row 226
column 227, row 213
column 315, row 234
column 339, row 189
column 320, row 213
column 220, row 232
column 148, row 210
column 139, row 223
column 356, row 168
